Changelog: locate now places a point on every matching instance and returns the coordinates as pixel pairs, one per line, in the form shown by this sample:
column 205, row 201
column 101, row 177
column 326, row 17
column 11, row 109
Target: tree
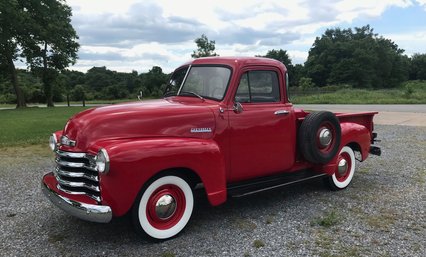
column 294, row 72
column 205, row 47
column 356, row 57
column 52, row 43
column 12, row 29
column 418, row 67
column 154, row 81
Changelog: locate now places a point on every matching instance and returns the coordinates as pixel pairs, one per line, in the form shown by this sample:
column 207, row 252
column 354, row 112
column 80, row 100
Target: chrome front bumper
column 89, row 212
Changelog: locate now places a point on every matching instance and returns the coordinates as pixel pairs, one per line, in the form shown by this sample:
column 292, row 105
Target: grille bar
column 77, row 184
column 96, row 198
column 76, row 174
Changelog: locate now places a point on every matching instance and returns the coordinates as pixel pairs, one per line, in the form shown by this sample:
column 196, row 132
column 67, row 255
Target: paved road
column 392, row 114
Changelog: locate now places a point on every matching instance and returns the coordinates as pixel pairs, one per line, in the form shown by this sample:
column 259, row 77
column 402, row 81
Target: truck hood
column 152, row 118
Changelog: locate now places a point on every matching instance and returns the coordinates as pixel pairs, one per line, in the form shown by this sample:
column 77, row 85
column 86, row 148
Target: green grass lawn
column 32, row 126
column 362, row 96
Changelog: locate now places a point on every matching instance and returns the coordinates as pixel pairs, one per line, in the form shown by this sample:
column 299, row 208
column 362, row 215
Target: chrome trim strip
column 89, row 212
column 71, row 154
column 77, row 184
column 76, row 174
column 94, row 197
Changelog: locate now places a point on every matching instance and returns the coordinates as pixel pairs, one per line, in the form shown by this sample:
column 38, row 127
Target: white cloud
column 411, row 41
column 422, row 3
column 136, row 35
column 350, row 9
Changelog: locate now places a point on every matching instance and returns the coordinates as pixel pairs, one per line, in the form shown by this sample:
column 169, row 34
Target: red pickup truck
column 225, row 126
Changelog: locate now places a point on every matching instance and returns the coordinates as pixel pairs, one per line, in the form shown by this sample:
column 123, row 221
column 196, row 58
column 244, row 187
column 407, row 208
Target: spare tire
column 319, row 137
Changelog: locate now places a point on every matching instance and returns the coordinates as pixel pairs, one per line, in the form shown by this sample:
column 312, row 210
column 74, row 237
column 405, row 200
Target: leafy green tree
column 79, row 94
column 40, row 32
column 356, row 57
column 205, row 47
column 52, row 44
column 279, row 55
column 418, row 67
column 294, row 72
column 306, row 83
column 13, row 18
column 153, row 81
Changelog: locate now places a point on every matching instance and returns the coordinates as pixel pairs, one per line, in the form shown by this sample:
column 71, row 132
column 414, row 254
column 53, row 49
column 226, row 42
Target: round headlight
column 53, row 142
column 102, row 161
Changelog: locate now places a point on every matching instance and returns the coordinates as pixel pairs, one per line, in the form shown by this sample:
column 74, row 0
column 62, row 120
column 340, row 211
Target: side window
column 243, row 94
column 258, row 87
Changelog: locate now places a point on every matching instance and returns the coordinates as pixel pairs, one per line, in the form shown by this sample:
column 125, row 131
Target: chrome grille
column 76, row 174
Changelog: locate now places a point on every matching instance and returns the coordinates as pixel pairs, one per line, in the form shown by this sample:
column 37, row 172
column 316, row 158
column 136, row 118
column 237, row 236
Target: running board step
column 267, row 183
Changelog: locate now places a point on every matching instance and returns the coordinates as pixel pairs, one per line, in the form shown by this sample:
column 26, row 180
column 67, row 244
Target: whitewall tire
column 164, row 208
column 345, row 169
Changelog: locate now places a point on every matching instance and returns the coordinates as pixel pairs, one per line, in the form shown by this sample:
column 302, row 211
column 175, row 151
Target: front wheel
column 345, row 170
column 164, row 208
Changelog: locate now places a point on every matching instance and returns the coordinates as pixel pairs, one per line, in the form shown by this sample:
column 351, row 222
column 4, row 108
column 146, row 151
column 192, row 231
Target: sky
column 137, row 35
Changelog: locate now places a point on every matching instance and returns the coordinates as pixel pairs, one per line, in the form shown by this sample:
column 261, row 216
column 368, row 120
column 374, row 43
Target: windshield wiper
column 191, row 93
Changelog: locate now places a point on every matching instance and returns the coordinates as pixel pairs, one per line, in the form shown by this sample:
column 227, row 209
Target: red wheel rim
column 151, row 211
column 329, row 147
column 342, row 176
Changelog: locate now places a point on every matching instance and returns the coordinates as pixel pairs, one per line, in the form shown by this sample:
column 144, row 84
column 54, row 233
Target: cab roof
column 235, row 62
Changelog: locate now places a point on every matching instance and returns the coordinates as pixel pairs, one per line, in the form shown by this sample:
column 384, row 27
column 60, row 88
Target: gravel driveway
column 381, row 214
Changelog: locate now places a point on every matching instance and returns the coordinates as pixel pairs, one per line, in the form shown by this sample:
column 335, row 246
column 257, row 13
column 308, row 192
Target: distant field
column 32, row 126
column 412, row 92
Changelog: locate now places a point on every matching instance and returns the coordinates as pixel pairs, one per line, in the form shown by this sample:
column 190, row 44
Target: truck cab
column 225, row 126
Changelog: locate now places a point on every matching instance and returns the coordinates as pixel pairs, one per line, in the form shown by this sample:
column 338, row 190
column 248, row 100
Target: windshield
column 206, row 81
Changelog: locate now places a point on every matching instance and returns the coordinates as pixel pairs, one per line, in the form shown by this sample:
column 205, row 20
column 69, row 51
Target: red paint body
column 145, row 138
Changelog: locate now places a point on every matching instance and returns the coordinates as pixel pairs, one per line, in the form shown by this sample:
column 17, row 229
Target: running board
column 254, row 186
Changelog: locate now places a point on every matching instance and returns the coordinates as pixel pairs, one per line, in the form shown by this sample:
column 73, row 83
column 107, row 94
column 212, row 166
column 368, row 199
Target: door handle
column 281, row 112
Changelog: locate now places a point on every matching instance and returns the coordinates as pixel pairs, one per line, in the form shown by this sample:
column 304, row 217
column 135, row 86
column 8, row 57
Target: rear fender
column 351, row 133
column 134, row 162
column 356, row 133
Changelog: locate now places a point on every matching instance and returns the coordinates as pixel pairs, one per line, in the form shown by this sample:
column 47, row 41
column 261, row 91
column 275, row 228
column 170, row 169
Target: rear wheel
column 345, row 170
column 164, row 208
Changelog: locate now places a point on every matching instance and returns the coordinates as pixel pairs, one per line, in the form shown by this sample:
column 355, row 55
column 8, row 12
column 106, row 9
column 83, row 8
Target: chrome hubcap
column 165, row 207
column 325, row 137
column 343, row 166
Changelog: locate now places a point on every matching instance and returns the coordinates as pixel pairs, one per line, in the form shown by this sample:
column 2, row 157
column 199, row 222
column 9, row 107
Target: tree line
column 40, row 33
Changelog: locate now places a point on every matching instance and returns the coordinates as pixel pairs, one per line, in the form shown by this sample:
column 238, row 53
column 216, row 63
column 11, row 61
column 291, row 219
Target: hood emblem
column 66, row 141
column 201, row 130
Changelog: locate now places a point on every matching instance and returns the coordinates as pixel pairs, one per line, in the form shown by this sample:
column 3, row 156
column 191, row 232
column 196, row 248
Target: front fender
column 134, row 162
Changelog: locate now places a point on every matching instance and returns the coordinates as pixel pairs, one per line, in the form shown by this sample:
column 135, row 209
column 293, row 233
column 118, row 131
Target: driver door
column 262, row 134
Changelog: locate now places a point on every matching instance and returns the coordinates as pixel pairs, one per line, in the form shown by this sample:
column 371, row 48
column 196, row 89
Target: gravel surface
column 382, row 213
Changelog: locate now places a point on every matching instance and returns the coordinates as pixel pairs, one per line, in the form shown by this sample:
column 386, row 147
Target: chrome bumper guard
column 89, row 212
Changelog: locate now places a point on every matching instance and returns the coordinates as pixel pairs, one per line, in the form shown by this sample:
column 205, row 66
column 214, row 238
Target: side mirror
column 140, row 96
column 237, row 108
